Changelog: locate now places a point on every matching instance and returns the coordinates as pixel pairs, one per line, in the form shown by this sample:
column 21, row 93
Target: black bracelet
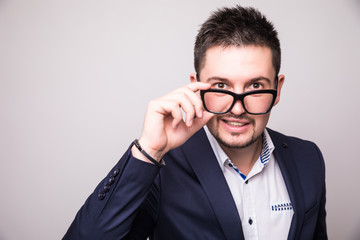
column 159, row 164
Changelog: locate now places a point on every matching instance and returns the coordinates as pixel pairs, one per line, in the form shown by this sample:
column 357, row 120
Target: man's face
column 239, row 69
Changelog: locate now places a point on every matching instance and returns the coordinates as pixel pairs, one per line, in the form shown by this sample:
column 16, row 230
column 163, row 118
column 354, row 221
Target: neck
column 245, row 158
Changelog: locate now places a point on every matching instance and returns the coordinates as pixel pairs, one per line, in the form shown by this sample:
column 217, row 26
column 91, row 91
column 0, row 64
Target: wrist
column 151, row 147
column 154, row 157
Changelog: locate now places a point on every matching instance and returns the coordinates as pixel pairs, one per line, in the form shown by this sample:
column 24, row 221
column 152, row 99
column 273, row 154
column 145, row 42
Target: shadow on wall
column 356, row 235
column 357, row 4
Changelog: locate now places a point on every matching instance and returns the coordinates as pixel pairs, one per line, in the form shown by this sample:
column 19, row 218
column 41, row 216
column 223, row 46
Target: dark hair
column 237, row 26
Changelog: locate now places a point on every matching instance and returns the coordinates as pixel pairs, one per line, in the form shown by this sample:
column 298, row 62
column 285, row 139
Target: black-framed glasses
column 255, row 102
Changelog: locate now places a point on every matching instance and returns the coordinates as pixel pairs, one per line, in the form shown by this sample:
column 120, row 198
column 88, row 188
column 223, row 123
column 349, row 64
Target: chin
column 233, row 139
column 238, row 141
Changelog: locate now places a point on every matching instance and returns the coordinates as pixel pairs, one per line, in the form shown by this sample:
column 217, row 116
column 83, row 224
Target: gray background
column 76, row 76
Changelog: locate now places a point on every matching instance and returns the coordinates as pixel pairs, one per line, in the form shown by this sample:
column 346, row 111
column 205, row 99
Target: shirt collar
column 268, row 148
column 221, row 156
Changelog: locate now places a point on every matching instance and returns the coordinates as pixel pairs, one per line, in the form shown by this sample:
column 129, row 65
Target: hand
column 164, row 127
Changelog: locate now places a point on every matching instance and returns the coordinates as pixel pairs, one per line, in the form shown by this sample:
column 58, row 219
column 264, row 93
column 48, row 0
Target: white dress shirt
column 261, row 197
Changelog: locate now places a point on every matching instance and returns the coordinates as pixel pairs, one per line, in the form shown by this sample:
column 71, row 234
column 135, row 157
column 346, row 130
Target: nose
column 238, row 108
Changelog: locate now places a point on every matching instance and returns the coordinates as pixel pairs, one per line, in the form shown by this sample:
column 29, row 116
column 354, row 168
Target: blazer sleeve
column 320, row 229
column 110, row 211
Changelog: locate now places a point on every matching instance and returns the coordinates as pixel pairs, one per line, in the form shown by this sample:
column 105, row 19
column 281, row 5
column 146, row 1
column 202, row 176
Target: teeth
column 235, row 124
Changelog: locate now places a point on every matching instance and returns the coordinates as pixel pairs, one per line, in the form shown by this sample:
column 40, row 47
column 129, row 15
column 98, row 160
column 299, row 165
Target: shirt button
column 247, row 181
column 250, row 221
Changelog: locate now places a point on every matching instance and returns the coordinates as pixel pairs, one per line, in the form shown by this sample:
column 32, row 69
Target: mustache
column 243, row 116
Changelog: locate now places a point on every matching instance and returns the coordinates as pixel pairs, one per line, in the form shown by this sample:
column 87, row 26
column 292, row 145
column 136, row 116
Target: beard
column 235, row 145
column 246, row 139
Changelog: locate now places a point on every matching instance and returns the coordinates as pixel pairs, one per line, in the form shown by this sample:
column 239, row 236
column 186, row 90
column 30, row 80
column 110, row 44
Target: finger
column 196, row 86
column 173, row 108
column 188, row 101
column 196, row 101
column 175, row 123
column 188, row 107
column 193, row 87
column 168, row 108
column 184, row 98
column 200, row 122
column 191, row 90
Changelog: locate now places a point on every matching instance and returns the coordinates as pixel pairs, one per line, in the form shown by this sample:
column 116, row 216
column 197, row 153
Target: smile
column 235, row 124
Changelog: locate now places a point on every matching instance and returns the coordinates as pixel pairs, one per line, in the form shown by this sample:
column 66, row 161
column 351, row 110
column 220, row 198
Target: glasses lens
column 258, row 103
column 218, row 102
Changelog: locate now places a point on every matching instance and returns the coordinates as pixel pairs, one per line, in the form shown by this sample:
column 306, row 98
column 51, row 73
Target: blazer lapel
column 205, row 165
column 284, row 156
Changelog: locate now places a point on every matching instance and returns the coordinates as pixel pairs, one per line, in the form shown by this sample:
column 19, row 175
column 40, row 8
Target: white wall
column 76, row 76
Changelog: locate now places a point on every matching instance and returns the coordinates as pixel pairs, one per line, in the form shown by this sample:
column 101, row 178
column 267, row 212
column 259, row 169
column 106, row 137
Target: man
column 226, row 175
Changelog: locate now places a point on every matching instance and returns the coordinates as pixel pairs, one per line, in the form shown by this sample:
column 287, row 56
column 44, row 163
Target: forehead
column 238, row 62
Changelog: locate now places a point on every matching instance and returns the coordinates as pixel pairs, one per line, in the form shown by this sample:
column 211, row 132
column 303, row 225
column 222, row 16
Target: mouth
column 235, row 123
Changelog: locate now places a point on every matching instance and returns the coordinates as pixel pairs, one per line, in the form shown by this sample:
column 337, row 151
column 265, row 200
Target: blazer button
column 101, row 195
column 111, row 180
column 106, row 188
column 116, row 172
column 284, row 145
column 250, row 221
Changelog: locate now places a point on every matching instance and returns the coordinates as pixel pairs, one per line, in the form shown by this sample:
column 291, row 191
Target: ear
column 281, row 79
column 193, row 77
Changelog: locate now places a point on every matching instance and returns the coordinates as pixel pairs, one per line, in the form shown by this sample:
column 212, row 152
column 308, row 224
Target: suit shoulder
column 297, row 146
column 280, row 137
column 302, row 153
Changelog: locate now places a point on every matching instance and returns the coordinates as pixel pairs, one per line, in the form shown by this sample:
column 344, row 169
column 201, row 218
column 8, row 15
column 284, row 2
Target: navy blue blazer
column 189, row 198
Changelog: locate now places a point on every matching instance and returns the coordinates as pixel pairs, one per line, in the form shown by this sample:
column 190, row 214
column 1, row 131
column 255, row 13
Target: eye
column 256, row 85
column 220, row 85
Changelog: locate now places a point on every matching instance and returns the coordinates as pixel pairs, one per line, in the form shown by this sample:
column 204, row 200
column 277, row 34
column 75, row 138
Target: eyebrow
column 259, row 79
column 215, row 78
column 256, row 79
